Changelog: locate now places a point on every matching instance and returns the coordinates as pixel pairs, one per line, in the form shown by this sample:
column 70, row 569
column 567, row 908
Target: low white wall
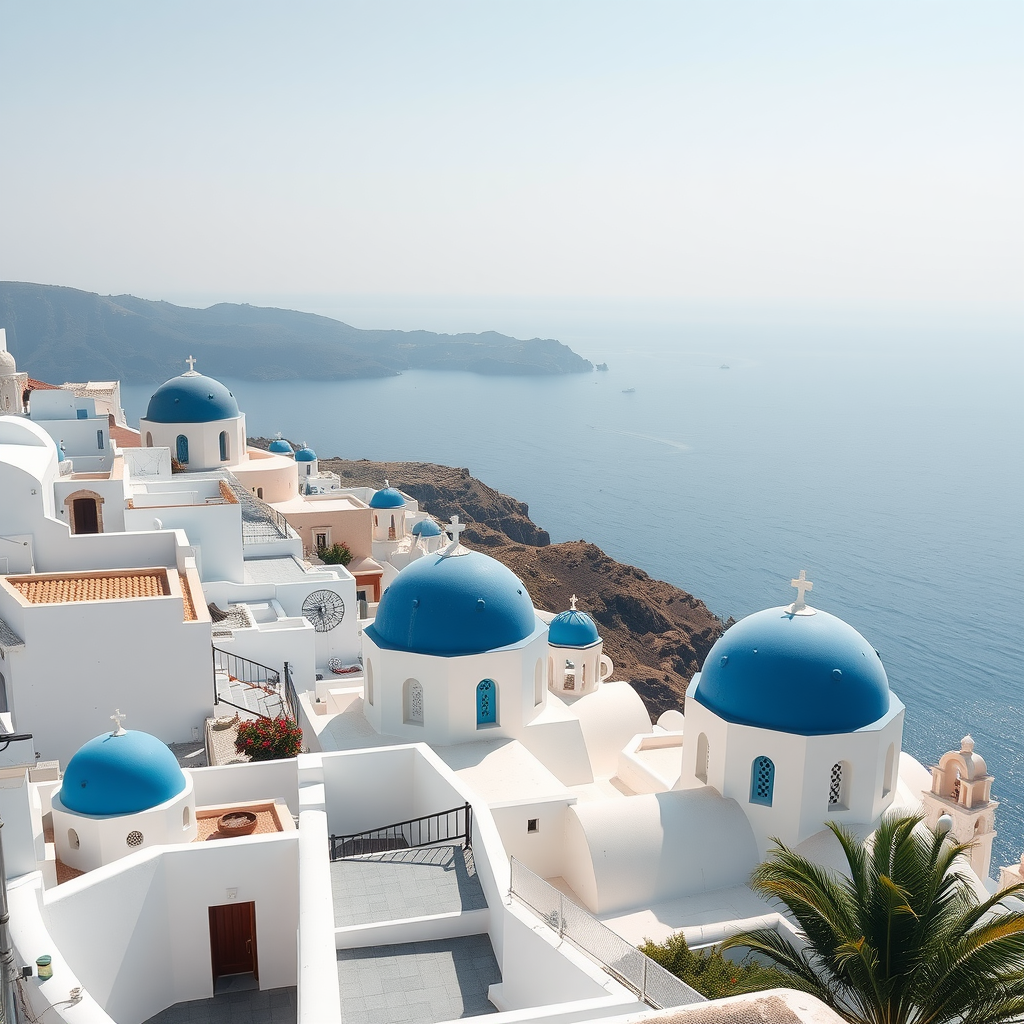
column 541, row 851
column 413, row 929
column 149, row 920
column 368, row 788
column 259, row 780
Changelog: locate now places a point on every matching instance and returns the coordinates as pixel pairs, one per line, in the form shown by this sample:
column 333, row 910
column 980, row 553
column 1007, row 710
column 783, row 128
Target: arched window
column 486, row 703
column 570, row 675
column 369, row 683
column 762, row 781
column 838, row 785
column 225, row 448
column 412, row 702
column 73, row 841
column 181, row 449
column 538, row 682
column 584, row 671
column 259, row 492
column 149, row 439
column 956, row 787
column 309, row 468
column 99, row 439
column 890, row 762
column 186, row 818
column 391, row 530
column 701, row 767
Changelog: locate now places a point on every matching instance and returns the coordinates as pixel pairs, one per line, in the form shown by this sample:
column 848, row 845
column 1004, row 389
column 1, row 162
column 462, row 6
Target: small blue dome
column 305, row 455
column 121, row 775
column 572, row 629
column 460, row 604
column 426, row 528
column 280, row 447
column 806, row 674
column 191, row 398
column 387, row 497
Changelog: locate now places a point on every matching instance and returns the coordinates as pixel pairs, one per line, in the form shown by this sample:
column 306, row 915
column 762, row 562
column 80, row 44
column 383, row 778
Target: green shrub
column 267, row 739
column 336, row 554
column 710, row 972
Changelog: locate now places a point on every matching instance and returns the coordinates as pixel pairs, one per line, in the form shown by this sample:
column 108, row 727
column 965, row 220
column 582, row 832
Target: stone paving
column 272, row 1006
column 405, row 883
column 417, row 982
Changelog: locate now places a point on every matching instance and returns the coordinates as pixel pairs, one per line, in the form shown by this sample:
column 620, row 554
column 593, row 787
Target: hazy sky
column 854, row 152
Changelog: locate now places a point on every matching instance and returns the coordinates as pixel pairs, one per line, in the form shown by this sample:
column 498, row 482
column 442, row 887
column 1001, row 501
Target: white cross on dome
column 117, row 718
column 803, row 585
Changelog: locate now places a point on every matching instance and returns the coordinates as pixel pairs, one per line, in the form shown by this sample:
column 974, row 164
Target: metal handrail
column 245, row 670
column 400, row 834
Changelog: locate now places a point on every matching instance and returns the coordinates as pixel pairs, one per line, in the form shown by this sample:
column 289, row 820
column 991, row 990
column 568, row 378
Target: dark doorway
column 86, row 518
column 233, row 940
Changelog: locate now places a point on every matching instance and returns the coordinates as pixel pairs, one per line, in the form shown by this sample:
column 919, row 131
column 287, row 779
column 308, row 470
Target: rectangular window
column 83, row 414
column 533, row 824
column 99, row 439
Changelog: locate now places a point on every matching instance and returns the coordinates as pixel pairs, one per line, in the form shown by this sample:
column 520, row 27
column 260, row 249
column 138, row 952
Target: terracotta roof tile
column 91, row 587
column 41, row 385
column 186, row 597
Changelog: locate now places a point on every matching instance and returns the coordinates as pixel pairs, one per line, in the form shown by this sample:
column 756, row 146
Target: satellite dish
column 324, row 609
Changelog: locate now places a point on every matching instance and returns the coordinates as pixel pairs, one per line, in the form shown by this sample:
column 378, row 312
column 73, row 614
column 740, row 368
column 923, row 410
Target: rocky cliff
column 656, row 634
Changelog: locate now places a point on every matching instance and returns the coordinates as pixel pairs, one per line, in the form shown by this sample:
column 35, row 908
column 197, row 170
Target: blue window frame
column 486, row 703
column 762, row 781
column 181, row 449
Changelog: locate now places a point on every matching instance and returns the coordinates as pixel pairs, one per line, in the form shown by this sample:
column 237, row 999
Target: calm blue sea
column 885, row 459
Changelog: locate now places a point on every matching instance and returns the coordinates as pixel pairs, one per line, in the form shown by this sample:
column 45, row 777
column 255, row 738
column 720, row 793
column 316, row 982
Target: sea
column 726, row 450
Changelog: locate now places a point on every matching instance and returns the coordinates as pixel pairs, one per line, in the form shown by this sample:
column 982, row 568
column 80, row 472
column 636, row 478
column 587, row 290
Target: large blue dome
column 280, row 447
column 458, row 604
column 387, row 497
column 191, row 398
column 305, row 455
column 572, row 629
column 805, row 674
column 121, row 775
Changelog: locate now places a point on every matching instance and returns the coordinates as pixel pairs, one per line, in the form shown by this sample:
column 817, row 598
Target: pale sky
column 720, row 151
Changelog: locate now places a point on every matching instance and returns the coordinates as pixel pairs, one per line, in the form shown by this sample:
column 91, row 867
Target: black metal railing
column 257, row 688
column 260, row 522
column 430, row 830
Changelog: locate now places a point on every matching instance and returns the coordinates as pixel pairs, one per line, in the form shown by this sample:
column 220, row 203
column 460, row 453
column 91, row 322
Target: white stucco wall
column 641, row 850
column 215, row 531
column 150, row 920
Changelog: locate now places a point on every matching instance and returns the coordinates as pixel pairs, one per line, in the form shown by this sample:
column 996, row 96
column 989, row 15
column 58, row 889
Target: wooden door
column 233, row 939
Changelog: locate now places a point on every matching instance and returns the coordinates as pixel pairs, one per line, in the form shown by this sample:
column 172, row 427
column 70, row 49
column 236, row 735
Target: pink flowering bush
column 266, row 739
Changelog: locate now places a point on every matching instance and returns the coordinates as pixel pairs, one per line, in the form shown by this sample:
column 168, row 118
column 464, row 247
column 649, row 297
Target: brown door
column 233, row 939
column 86, row 519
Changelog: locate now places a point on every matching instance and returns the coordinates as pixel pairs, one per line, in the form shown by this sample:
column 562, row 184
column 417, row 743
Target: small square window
column 533, row 824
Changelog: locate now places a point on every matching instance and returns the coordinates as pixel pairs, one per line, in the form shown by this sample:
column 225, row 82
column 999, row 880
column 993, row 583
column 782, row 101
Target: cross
column 802, row 584
column 455, row 528
column 387, row 482
column 572, row 602
column 191, row 364
column 117, row 718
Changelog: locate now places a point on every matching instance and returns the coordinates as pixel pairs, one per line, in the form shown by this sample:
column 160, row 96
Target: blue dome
column 121, row 775
column 572, row 629
column 460, row 604
column 280, row 447
column 426, row 528
column 805, row 674
column 191, row 398
column 305, row 455
column 388, row 497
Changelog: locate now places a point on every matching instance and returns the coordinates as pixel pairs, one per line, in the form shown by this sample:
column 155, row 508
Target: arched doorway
column 85, row 512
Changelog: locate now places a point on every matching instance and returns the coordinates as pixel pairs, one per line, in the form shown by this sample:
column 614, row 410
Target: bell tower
column 962, row 788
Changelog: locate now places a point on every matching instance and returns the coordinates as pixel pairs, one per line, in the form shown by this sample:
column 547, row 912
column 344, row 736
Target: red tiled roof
column 41, row 385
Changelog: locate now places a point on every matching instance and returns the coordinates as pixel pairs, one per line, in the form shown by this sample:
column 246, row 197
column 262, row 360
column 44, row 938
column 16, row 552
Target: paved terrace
column 272, row 1006
column 400, row 884
column 417, row 982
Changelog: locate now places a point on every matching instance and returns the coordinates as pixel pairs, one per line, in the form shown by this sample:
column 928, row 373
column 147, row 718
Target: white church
column 485, row 823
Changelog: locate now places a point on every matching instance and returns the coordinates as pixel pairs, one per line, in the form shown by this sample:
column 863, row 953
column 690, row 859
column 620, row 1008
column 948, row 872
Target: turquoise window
column 181, row 449
column 762, row 781
column 486, row 703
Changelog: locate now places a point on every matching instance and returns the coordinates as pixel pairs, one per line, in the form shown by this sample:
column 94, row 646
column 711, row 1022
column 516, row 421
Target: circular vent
column 324, row 609
column 134, row 839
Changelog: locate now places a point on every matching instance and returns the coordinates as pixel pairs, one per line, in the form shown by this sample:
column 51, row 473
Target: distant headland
column 68, row 334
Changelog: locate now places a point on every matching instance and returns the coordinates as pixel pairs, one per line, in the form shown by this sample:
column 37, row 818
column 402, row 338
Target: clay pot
column 237, row 823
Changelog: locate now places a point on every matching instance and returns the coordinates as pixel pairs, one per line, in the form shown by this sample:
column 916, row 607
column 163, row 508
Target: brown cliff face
column 656, row 634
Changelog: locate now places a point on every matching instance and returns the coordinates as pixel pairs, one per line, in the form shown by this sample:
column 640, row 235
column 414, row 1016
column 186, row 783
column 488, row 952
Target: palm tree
column 904, row 939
